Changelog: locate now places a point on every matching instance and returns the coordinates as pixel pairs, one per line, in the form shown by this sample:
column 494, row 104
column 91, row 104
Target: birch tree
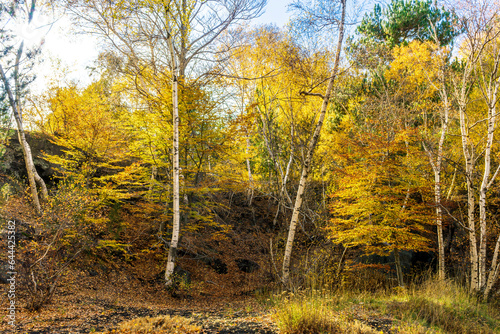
column 307, row 164
column 16, row 62
column 488, row 76
column 436, row 161
column 481, row 50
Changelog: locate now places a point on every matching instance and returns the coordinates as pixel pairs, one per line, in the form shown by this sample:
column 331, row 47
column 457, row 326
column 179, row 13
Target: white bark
column 489, row 86
column 436, row 164
column 495, row 268
column 469, row 174
column 462, row 96
column 33, row 177
column 310, row 153
column 172, row 252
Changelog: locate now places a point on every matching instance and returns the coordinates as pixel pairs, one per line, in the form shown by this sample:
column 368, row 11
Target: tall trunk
column 436, row 167
column 437, row 174
column 495, row 268
column 309, row 155
column 439, row 224
column 468, row 152
column 14, row 101
column 436, row 162
column 251, row 191
column 172, row 252
column 490, row 92
column 482, row 199
column 474, row 259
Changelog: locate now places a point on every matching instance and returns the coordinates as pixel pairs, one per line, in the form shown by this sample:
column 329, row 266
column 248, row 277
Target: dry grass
column 446, row 307
column 313, row 314
column 433, row 307
column 157, row 325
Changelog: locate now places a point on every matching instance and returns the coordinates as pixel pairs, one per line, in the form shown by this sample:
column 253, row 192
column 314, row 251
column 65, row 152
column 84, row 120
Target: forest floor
column 97, row 310
column 92, row 305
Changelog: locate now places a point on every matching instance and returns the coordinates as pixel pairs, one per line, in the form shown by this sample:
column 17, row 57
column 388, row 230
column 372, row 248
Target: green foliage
column 397, row 25
column 403, row 21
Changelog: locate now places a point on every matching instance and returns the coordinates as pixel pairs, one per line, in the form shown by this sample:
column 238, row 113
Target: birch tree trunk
column 310, row 153
column 462, row 96
column 14, row 101
column 172, row 252
column 489, row 87
column 495, row 268
column 485, row 184
column 436, row 164
column 469, row 170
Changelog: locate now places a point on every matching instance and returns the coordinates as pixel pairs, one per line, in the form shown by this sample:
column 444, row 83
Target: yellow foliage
column 415, row 69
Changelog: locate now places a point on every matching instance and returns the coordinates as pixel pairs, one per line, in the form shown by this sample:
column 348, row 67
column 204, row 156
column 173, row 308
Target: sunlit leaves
column 378, row 201
column 91, row 130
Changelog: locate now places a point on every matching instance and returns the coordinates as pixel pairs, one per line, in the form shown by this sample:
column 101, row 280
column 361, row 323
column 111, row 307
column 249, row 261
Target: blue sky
column 275, row 12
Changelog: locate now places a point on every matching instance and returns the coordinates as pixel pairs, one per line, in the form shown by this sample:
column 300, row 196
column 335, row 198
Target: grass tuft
column 314, row 314
column 158, row 325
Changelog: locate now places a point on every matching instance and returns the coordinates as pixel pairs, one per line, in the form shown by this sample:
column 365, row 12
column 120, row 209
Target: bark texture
column 172, row 252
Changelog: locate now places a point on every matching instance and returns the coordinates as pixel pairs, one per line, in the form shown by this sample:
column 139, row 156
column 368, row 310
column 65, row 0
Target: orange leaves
column 92, row 133
column 377, row 202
